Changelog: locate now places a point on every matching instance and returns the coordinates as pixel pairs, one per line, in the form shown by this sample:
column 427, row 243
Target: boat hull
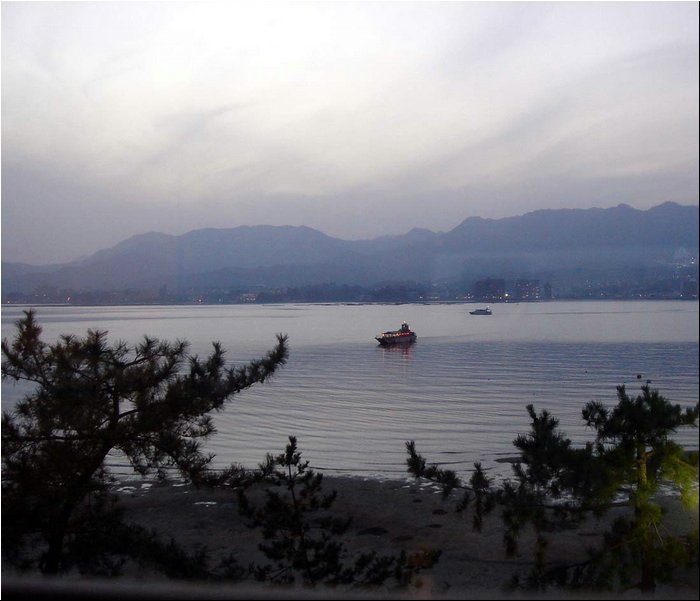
column 396, row 340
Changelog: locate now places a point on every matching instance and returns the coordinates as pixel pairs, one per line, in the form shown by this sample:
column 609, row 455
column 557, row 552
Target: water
column 460, row 392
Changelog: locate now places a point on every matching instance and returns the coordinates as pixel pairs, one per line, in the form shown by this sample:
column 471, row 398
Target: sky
column 358, row 119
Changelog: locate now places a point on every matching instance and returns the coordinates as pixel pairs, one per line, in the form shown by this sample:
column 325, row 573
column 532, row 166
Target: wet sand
column 387, row 516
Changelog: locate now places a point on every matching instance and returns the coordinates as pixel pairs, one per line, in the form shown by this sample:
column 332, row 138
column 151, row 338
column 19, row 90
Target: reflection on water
column 460, row 392
column 404, row 350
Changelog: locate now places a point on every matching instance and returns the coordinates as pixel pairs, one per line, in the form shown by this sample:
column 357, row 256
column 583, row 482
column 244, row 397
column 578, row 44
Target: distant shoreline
column 354, row 303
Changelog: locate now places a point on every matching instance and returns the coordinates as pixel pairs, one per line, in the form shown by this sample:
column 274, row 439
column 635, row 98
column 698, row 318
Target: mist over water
column 460, row 392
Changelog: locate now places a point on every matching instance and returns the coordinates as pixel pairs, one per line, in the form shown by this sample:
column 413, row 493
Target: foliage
column 556, row 485
column 152, row 403
column 104, row 545
column 632, row 442
column 303, row 539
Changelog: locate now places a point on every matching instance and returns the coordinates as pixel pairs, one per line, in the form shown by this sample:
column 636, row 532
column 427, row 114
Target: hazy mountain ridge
column 537, row 243
column 569, row 229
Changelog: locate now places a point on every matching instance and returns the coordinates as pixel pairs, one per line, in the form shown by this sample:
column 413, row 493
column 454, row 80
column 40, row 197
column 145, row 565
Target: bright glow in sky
column 356, row 118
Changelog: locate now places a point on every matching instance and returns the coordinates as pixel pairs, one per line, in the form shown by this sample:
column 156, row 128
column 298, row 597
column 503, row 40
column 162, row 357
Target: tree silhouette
column 632, row 441
column 304, row 539
column 152, row 403
column 557, row 484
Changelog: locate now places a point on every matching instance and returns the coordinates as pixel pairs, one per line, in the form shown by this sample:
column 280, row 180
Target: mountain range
column 553, row 244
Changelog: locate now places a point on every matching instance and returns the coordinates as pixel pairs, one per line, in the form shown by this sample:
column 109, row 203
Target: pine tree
column 304, row 539
column 632, row 441
column 152, row 403
column 557, row 484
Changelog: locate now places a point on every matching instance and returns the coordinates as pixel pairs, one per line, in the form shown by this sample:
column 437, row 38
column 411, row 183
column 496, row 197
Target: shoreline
column 324, row 303
column 387, row 516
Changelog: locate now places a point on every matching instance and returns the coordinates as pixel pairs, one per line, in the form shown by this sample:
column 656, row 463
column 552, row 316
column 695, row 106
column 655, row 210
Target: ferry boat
column 403, row 336
column 485, row 311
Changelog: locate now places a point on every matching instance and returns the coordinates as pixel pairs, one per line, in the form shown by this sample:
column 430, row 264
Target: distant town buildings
column 490, row 289
column 689, row 288
column 680, row 284
column 522, row 290
column 527, row 290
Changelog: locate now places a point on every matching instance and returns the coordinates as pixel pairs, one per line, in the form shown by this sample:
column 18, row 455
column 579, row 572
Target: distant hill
column 570, row 229
column 547, row 243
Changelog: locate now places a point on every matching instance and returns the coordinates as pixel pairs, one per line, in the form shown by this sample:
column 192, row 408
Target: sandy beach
column 387, row 516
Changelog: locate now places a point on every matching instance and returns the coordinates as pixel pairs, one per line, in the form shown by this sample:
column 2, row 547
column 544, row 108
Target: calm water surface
column 460, row 392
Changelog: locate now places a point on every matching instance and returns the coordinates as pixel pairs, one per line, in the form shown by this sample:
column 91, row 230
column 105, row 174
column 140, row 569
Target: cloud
column 348, row 117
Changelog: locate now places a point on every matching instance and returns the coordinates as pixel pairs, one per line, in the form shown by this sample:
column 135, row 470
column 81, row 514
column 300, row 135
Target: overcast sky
column 358, row 119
